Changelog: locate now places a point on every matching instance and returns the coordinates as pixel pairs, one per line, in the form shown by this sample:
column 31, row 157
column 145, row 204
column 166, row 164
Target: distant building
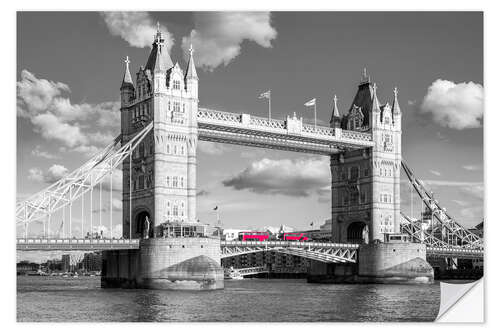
column 92, row 262
column 25, row 267
column 277, row 262
column 478, row 229
column 324, row 233
column 65, row 262
column 54, row 265
column 231, row 234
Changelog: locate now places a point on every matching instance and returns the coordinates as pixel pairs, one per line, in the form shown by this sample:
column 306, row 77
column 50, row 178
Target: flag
column 216, row 207
column 311, row 102
column 266, row 94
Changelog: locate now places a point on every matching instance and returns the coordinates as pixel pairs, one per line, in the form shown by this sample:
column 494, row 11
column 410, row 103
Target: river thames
column 58, row 299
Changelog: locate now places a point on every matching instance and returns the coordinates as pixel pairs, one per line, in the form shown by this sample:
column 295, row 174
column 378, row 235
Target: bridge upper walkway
column 290, row 134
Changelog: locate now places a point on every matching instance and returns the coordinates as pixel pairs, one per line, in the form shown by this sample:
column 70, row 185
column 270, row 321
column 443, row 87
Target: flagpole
column 269, row 100
column 315, row 114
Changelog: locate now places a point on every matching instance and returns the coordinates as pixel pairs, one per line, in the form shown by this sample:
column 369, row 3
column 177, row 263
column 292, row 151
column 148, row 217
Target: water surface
column 58, row 299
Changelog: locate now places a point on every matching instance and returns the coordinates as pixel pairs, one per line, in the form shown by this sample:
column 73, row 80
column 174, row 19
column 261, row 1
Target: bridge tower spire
column 127, row 88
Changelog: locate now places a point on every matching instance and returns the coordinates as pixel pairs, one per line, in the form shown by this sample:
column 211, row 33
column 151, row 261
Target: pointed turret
column 191, row 68
column 375, row 103
column 395, row 103
column 127, row 78
column 335, row 120
column 127, row 89
column 191, row 77
column 159, row 59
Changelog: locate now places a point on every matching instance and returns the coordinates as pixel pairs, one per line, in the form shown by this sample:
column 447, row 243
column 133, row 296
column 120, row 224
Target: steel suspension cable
column 111, row 206
column 130, row 195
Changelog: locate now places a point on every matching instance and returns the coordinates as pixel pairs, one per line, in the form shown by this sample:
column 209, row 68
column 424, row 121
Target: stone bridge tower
column 163, row 170
column 365, row 182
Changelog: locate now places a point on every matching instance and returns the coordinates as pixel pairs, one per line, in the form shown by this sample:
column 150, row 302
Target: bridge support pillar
column 378, row 263
column 165, row 263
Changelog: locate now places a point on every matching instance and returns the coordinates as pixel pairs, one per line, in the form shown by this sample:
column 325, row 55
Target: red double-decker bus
column 253, row 236
column 294, row 236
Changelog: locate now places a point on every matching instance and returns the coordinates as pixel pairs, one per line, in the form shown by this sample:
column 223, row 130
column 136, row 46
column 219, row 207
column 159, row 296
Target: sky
column 70, row 66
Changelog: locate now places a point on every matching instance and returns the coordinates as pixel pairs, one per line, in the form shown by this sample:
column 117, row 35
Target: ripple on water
column 59, row 299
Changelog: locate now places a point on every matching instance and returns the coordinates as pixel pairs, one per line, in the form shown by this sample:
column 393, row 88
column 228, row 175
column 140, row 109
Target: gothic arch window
column 182, row 150
column 175, row 149
column 168, row 105
column 177, row 85
column 168, row 148
column 183, row 108
column 168, row 181
column 182, row 181
column 175, row 181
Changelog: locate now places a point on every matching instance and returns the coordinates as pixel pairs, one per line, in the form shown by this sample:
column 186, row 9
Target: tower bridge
column 161, row 123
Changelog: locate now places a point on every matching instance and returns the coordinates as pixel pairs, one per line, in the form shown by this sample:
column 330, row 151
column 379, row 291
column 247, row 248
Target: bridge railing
column 289, row 244
column 291, row 125
column 74, row 241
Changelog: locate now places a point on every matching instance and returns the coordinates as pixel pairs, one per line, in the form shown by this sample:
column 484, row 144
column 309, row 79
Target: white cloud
column 472, row 167
column 217, row 36
column 473, row 214
column 83, row 128
column 212, row 148
column 454, row 105
column 460, row 202
column 136, row 28
column 38, row 152
column 435, row 172
column 52, row 175
column 35, row 174
column 301, row 177
column 471, row 189
column 50, row 127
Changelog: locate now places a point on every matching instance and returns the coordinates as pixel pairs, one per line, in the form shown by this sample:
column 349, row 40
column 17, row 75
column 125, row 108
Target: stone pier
column 378, row 263
column 165, row 263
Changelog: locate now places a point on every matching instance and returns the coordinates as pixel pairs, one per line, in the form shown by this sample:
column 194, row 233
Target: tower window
column 177, row 85
column 354, row 173
column 141, row 182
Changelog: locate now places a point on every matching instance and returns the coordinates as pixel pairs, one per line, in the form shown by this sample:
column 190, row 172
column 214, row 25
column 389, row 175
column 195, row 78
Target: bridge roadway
column 322, row 251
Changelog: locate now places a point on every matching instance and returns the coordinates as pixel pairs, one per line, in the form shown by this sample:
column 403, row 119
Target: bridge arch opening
column 357, row 232
column 143, row 225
